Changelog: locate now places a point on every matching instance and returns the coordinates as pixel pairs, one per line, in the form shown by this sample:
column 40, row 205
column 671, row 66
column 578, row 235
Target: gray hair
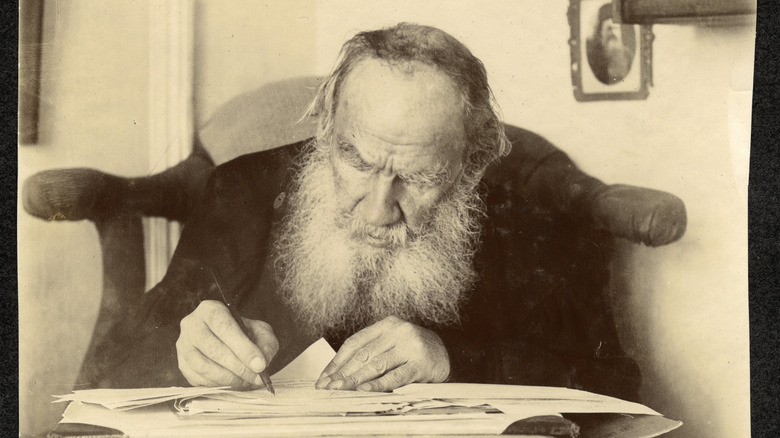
column 407, row 42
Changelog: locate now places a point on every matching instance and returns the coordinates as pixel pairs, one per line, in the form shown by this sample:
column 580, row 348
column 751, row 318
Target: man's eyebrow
column 436, row 175
column 346, row 148
column 349, row 152
column 344, row 145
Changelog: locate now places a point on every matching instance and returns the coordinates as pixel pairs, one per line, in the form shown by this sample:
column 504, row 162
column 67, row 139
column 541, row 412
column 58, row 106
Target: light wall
column 685, row 316
column 251, row 42
column 94, row 113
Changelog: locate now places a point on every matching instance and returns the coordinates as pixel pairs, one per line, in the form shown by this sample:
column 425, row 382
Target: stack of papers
column 125, row 399
column 299, row 409
column 292, row 398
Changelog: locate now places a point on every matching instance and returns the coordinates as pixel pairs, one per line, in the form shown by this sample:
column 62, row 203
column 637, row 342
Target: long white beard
column 335, row 281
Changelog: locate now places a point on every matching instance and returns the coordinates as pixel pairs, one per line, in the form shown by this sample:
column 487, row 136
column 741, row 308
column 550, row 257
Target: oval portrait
column 610, row 47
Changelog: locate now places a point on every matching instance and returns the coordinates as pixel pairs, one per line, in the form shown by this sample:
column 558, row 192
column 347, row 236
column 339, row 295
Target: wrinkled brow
column 349, row 153
column 436, row 175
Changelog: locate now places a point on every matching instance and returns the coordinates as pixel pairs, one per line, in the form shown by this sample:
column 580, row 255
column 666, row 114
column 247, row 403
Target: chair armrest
column 81, row 193
column 548, row 177
column 71, row 194
column 639, row 214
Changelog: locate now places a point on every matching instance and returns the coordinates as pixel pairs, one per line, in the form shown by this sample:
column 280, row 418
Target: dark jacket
column 537, row 315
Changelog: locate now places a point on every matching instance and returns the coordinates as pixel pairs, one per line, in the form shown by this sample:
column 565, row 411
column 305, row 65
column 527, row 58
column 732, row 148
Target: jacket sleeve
column 223, row 236
column 558, row 345
column 539, row 313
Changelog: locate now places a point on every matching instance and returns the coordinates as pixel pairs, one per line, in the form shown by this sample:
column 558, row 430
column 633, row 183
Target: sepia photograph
column 610, row 60
column 365, row 218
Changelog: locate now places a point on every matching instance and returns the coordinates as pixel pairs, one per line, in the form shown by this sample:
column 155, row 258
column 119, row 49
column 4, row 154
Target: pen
column 263, row 374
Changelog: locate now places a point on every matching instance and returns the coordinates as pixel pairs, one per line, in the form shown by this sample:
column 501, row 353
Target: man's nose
column 380, row 206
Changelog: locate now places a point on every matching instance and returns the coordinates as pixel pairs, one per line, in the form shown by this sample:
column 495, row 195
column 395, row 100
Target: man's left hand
column 385, row 356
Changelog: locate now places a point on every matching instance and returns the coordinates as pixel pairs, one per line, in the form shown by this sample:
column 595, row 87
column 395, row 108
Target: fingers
column 355, row 343
column 263, row 337
column 396, row 378
column 358, row 372
column 385, row 356
column 213, row 350
column 357, row 351
column 199, row 370
column 198, row 342
column 221, row 323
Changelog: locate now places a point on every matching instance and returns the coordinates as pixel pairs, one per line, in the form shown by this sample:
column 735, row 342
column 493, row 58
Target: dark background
column 763, row 224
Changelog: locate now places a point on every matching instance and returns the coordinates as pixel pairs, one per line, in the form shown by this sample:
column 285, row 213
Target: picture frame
column 30, row 31
column 609, row 60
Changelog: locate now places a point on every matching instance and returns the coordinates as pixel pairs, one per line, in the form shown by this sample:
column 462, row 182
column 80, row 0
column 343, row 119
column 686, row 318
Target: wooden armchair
column 267, row 118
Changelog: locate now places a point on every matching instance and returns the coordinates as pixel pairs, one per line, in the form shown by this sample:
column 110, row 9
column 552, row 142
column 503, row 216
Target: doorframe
column 171, row 41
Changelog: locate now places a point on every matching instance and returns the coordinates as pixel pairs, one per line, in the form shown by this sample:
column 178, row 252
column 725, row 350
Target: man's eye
column 350, row 156
column 357, row 163
column 361, row 165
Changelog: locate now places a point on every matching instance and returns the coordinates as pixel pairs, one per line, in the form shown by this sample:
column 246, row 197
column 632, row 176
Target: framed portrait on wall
column 609, row 60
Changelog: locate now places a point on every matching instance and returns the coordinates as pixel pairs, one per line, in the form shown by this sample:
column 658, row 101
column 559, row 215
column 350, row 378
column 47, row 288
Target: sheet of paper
column 517, row 397
column 308, row 365
column 639, row 426
column 479, row 391
column 305, row 395
column 304, row 401
column 122, row 399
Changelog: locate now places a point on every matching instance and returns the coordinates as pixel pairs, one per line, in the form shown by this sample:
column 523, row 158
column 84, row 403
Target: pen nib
column 267, row 382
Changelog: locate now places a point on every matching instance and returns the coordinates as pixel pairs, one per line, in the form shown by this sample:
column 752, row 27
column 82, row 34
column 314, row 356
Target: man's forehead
column 424, row 80
column 400, row 105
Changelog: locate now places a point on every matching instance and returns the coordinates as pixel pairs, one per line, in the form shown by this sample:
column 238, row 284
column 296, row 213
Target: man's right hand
column 214, row 351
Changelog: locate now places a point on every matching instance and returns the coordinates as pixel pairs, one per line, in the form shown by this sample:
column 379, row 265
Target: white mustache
column 395, row 236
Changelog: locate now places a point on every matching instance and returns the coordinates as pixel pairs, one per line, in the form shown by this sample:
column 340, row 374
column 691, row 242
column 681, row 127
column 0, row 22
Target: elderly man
column 396, row 234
